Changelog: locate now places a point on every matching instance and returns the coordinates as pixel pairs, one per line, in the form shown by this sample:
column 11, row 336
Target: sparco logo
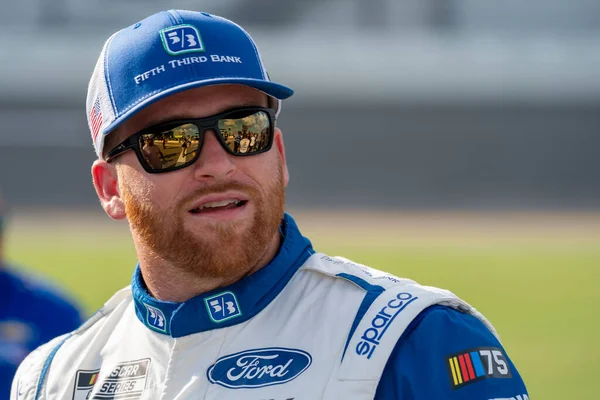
column 259, row 367
column 372, row 336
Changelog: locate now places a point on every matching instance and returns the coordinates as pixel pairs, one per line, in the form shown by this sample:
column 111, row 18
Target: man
column 152, row 153
column 229, row 300
column 32, row 313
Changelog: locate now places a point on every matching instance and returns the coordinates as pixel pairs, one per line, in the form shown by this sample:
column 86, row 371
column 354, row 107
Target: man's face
column 217, row 216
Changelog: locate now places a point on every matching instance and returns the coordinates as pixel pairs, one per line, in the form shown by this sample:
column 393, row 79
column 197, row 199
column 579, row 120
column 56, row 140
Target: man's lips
column 218, row 202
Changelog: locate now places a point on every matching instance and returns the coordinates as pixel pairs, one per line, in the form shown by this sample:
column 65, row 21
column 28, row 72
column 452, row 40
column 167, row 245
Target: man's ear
column 107, row 187
column 281, row 149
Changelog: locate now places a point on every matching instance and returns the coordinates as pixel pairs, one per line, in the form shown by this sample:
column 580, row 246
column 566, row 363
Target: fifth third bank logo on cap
column 181, row 39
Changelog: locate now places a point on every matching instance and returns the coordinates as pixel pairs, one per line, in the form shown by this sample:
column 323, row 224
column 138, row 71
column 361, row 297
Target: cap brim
column 273, row 89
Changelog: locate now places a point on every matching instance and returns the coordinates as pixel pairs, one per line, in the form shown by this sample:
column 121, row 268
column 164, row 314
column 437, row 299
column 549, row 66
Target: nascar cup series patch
column 126, row 380
column 477, row 364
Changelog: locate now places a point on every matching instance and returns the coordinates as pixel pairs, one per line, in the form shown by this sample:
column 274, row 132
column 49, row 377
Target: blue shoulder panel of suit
column 446, row 354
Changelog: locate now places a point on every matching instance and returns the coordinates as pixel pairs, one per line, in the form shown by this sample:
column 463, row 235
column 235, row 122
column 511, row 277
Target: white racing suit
column 307, row 326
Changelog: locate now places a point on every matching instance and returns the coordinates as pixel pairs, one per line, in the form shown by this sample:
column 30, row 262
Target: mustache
column 219, row 188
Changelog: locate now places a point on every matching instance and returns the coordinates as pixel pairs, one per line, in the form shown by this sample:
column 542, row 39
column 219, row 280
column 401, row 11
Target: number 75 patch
column 477, row 364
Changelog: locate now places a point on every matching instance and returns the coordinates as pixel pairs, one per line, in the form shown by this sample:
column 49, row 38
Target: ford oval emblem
column 259, row 367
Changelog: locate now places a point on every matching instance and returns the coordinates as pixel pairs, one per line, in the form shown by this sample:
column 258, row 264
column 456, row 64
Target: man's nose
column 214, row 162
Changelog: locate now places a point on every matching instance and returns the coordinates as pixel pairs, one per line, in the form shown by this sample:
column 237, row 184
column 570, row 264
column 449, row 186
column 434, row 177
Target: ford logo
column 259, row 367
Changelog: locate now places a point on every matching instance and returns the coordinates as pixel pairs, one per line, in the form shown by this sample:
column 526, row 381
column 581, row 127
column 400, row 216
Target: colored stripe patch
column 477, row 364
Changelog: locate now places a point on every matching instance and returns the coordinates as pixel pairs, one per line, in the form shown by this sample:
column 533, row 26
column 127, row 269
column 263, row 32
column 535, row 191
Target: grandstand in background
column 399, row 103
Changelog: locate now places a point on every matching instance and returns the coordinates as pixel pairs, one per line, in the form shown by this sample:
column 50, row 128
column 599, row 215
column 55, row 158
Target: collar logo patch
column 155, row 319
column 222, row 307
column 181, row 39
column 477, row 364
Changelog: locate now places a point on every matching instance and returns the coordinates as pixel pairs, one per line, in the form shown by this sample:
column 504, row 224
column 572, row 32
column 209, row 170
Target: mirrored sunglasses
column 173, row 145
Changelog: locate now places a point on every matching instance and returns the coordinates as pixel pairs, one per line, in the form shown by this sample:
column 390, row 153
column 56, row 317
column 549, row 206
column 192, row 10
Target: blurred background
column 454, row 142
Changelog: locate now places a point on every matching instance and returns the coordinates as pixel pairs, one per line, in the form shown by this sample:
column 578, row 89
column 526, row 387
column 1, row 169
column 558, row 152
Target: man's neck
column 168, row 283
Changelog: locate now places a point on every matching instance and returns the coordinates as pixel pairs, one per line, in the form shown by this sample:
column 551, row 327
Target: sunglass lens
column 248, row 134
column 172, row 148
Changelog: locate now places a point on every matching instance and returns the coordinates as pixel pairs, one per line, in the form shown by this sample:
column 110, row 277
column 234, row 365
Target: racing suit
column 306, row 326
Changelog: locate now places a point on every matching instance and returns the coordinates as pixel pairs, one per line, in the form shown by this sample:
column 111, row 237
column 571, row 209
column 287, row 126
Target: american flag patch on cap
column 95, row 119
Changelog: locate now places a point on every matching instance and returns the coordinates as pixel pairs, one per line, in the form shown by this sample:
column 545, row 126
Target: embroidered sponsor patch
column 477, row 364
column 155, row 319
column 222, row 307
column 126, row 380
column 259, row 367
column 181, row 39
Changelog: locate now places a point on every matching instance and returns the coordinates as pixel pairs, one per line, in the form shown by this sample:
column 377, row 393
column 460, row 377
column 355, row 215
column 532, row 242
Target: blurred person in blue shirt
column 32, row 313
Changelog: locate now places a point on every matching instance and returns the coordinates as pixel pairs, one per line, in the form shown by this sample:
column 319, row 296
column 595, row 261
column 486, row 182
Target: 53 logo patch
column 222, row 307
column 155, row 318
column 477, row 364
column 181, row 39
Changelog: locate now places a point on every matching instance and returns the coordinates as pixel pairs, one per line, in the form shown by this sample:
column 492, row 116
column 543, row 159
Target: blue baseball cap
column 167, row 53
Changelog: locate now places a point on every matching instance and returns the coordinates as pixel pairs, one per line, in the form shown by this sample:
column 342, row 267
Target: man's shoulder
column 113, row 309
column 28, row 374
column 389, row 307
column 358, row 274
column 377, row 282
column 36, row 363
column 454, row 350
column 381, row 283
column 381, row 293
